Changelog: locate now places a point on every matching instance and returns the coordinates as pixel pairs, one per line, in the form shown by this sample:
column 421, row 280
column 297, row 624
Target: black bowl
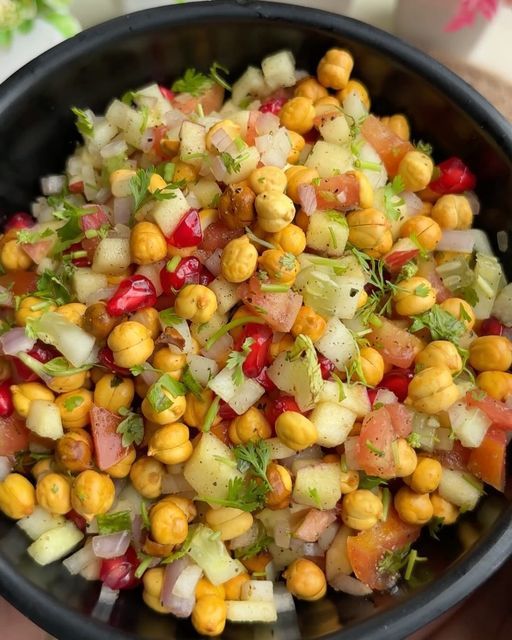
column 37, row 133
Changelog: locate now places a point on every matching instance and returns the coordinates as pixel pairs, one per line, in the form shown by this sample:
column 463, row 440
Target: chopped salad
column 251, row 346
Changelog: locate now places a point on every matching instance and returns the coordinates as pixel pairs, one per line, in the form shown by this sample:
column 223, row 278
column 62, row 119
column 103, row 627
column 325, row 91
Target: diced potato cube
column 245, row 611
column 329, row 159
column 279, row 70
column 55, row 543
column 333, row 423
column 258, row 591
column 318, row 486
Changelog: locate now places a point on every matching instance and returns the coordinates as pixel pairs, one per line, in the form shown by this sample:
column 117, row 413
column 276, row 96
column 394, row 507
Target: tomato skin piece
column 14, row 435
column 497, row 411
column 456, row 459
column 397, row 346
column 21, row 281
column 278, row 406
column 211, row 100
column 395, row 260
column 346, row 186
column 279, row 310
column 108, row 447
column 367, row 548
column 217, row 236
column 453, row 177
column 401, row 419
column 487, row 461
column 377, row 435
column 257, row 356
column 390, row 147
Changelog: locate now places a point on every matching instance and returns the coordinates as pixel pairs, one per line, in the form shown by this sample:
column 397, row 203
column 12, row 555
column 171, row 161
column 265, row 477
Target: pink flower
column 468, row 11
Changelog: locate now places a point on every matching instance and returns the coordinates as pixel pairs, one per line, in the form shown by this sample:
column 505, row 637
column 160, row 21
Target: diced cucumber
column 462, row 489
column 55, row 543
column 318, row 486
column 245, row 611
column 38, row 522
column 210, row 553
column 469, row 424
column 326, row 234
column 333, row 423
column 329, row 159
column 488, row 280
column 337, row 343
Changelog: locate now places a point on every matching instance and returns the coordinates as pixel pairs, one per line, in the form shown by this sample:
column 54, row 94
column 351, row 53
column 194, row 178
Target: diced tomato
column 491, row 327
column 14, row 435
column 278, row 309
column 217, row 235
column 497, row 411
column 226, row 412
column 278, row 406
column 19, row 220
column 401, row 419
column 166, row 93
column 77, row 186
column 456, row 459
column 375, row 454
column 108, row 445
column 21, row 282
column 453, row 176
column 314, row 524
column 96, row 219
column 401, row 252
column 210, row 100
column 339, row 192
column 263, row 379
column 326, row 366
column 487, row 461
column 40, row 351
column 390, row 147
column 396, row 345
column 261, row 336
column 36, row 251
column 273, row 105
column 251, row 133
column 367, row 548
column 397, row 381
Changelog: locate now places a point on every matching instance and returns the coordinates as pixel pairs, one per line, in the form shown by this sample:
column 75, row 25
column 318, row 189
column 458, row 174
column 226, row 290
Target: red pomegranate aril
column 205, row 276
column 6, row 406
column 106, row 357
column 119, row 573
column 78, row 520
column 76, row 187
column 278, row 406
column 188, row 233
column 453, row 176
column 167, row 93
column 263, row 379
column 83, row 261
column 326, row 366
column 491, row 327
column 397, row 381
column 261, row 336
column 226, row 412
column 188, row 271
column 133, row 293
column 19, row 220
column 40, row 351
column 372, row 394
column 273, row 105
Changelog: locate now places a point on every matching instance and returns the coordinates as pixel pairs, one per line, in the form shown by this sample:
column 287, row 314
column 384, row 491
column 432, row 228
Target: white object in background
column 336, row 6
column 91, row 12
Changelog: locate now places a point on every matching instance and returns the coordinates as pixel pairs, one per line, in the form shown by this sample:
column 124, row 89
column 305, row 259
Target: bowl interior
column 37, row 129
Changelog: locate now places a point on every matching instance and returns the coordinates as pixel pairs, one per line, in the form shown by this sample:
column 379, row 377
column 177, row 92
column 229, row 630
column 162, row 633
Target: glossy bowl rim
column 491, row 551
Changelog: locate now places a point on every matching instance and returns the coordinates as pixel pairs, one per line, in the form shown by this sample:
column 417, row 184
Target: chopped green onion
column 386, row 501
column 172, row 264
column 275, row 288
column 237, row 322
column 114, row 522
column 211, row 414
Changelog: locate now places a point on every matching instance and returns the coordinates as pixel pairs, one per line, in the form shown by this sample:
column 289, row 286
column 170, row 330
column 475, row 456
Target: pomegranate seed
column 6, row 407
column 78, row 520
column 188, row 233
column 278, row 406
column 133, row 293
column 397, row 381
column 263, row 379
column 167, row 93
column 119, row 573
column 205, row 276
column 491, row 327
column 454, row 177
column 40, row 351
column 106, row 357
column 326, row 366
column 19, row 220
column 273, row 105
column 226, row 412
column 372, row 394
column 76, row 187
column 261, row 335
column 94, row 220
column 188, row 271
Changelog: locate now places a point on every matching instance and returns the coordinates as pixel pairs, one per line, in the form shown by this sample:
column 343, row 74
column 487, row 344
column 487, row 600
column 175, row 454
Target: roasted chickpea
column 153, row 581
column 298, row 114
column 131, row 344
column 74, row 407
column 349, row 481
column 97, row 321
column 17, row 496
column 413, row 508
column 250, row 426
column 267, row 178
column 426, row 476
column 416, row 170
column 275, row 210
column 280, row 480
column 295, row 430
column 169, row 525
column 197, row 408
column 209, row 615
column 185, row 504
column 23, row 394
column 357, row 87
column 371, row 365
column 491, row 353
column 310, row 88
column 113, row 392
column 233, row 587
column 366, row 195
column 74, row 312
column 147, row 243
column 167, row 416
column 236, row 206
column 230, row 522
column 296, row 176
column 283, row 344
column 370, row 230
column 298, row 143
column 184, row 171
column 92, row 493
column 64, row 384
column 453, row 212
column 73, row 451
column 239, row 260
column 496, row 384
column 405, row 458
column 309, row 323
column 334, row 69
column 327, row 106
column 361, row 509
column 432, row 390
column 444, row 509
column 228, row 127
column 146, row 475
column 150, row 319
column 280, row 266
column 398, row 124
column 53, row 493
column 196, row 303
column 169, row 361
column 461, row 310
column 122, row 468
column 440, row 353
column 42, row 466
column 205, row 588
column 426, row 230
column 414, row 295
column 291, row 239
column 31, row 308
column 171, row 444
column 13, row 258
column 305, row 580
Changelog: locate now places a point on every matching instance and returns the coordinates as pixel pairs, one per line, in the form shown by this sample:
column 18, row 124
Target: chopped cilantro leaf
column 131, row 428
column 236, row 360
column 193, row 82
column 84, row 122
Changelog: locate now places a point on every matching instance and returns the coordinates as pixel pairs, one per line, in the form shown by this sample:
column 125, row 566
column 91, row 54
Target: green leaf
column 233, row 165
column 370, row 482
column 392, row 201
column 26, row 236
column 191, row 383
column 414, row 439
column 260, row 544
column 114, row 522
column 184, row 548
column 58, row 367
column 145, row 563
column 169, row 318
column 84, row 122
column 304, row 349
column 54, row 287
column 393, row 562
column 254, row 457
column 434, row 526
column 73, row 402
column 237, row 322
column 193, row 82
column 145, row 515
column 139, row 184
column 441, row 324
column 159, row 400
column 211, row 414
column 236, row 359
column 214, row 74
column 244, row 494
column 424, row 147
column 131, row 428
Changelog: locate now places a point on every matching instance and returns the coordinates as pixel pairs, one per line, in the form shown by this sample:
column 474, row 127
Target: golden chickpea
column 416, row 170
column 74, row 312
column 405, row 458
column 153, row 581
column 413, row 508
column 496, row 384
column 370, row 230
column 42, row 466
column 239, row 260
column 426, row 476
column 366, row 195
column 196, row 303
column 283, row 344
column 73, row 451
column 169, row 361
column 17, row 496
column 122, row 468
column 13, row 258
column 334, row 69
column 150, row 319
column 275, row 210
column 171, row 444
column 229, row 522
column 97, row 321
column 414, row 295
column 295, row 430
column 310, row 88
column 167, row 416
column 236, row 206
column 453, row 212
column 444, row 509
column 280, row 266
column 357, row 87
column 31, row 308
column 53, row 493
column 131, row 344
column 113, row 392
column 74, row 407
column 296, row 176
column 309, row 323
column 432, row 390
column 229, row 127
column 64, row 384
column 23, row 394
column 426, row 230
column 197, row 408
column 146, row 475
column 328, row 105
column 250, row 426
column 233, row 587
column 349, row 481
column 440, row 353
column 491, row 353
column 291, row 239
column 298, row 114
column 169, row 524
column 209, row 615
column 371, row 365
column 185, row 504
column 267, row 178
column 361, row 509
column 205, row 588
column 281, row 482
column 398, row 124
column 298, row 143
column 184, row 171
column 461, row 310
column 92, row 493
column 305, row 580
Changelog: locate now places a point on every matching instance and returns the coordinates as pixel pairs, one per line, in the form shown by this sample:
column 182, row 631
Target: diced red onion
column 305, row 548
column 113, row 149
column 123, row 208
column 5, row 467
column 350, row 585
column 266, row 123
column 6, row 297
column 186, row 583
column 351, row 451
column 152, row 272
column 412, row 202
column 79, row 560
column 222, row 347
column 212, row 263
column 307, row 197
column 245, row 539
column 111, row 545
column 180, row 607
column 328, row 535
column 385, row 396
column 474, row 202
column 16, row 340
column 52, row 185
column 150, row 377
column 461, row 241
column 282, row 534
column 105, row 293
column 103, row 195
column 174, row 483
column 218, row 169
column 221, row 140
